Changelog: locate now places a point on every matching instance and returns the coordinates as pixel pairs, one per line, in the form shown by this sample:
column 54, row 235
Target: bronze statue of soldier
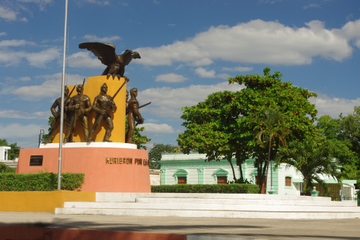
column 101, row 105
column 133, row 115
column 81, row 106
column 56, row 113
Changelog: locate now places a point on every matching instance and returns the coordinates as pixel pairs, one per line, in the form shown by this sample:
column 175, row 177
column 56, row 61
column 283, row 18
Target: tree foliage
column 313, row 158
column 272, row 126
column 157, row 150
column 14, row 151
column 45, row 136
column 226, row 123
column 6, row 169
column 343, row 135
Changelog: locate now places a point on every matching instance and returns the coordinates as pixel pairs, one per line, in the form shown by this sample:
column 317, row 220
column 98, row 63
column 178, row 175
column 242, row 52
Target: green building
column 179, row 168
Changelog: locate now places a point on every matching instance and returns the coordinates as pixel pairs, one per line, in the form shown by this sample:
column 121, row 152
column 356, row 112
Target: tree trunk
column 232, row 167
column 238, row 160
column 261, row 171
column 268, row 158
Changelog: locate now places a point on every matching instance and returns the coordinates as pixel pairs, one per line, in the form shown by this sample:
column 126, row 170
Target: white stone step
column 111, row 197
column 292, row 202
column 206, row 213
column 210, row 207
column 213, row 205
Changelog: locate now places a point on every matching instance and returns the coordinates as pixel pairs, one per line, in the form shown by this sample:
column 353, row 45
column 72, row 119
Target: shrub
column 207, row 188
column 6, row 169
column 43, row 181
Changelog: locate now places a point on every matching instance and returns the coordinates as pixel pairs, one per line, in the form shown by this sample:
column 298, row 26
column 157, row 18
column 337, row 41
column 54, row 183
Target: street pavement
column 196, row 228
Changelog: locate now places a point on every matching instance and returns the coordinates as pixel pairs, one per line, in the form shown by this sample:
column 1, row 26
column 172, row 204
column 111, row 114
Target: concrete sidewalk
column 196, row 228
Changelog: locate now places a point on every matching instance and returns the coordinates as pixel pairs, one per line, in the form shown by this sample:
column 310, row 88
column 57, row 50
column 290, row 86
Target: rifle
column 126, row 80
column 78, row 112
column 145, row 105
column 71, row 91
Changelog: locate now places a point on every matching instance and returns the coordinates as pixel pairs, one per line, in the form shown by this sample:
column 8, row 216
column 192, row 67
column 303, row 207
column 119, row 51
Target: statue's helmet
column 105, row 87
column 133, row 91
column 79, row 88
column 66, row 90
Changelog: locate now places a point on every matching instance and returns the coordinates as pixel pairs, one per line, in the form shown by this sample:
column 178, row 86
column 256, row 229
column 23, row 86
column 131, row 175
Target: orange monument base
column 108, row 167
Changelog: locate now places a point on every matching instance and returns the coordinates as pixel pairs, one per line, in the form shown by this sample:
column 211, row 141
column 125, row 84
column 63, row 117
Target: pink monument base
column 108, row 167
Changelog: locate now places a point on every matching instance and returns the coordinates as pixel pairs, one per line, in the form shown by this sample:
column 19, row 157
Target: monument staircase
column 214, row 205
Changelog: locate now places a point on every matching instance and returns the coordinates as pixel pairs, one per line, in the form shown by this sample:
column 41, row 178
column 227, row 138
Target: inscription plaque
column 36, row 160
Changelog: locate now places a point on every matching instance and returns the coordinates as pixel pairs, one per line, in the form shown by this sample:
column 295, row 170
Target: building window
column 221, row 179
column 220, row 176
column 181, row 176
column 288, row 181
column 181, row 180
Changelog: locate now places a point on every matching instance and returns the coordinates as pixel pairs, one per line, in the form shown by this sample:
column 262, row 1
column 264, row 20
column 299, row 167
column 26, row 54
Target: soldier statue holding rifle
column 133, row 115
column 102, row 103
column 81, row 106
column 56, row 113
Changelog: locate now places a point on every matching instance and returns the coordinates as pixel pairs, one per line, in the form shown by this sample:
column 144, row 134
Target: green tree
column 226, row 123
column 157, row 150
column 272, row 126
column 14, row 151
column 341, row 135
column 6, row 169
column 313, row 158
column 45, row 136
column 212, row 128
column 269, row 91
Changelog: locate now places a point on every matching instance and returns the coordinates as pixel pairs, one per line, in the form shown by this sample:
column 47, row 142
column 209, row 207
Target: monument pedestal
column 108, row 167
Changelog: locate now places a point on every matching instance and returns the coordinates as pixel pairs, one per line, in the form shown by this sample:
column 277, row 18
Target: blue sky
column 188, row 50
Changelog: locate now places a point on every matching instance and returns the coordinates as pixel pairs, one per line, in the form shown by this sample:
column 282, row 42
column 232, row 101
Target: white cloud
column 223, row 75
column 16, row 130
column 42, row 3
column 35, row 59
column 49, row 88
column 8, row 14
column 257, row 41
column 3, row 34
column 94, row 38
column 334, row 106
column 351, row 30
column 171, row 78
column 99, row 2
column 83, row 59
column 24, row 115
column 312, row 5
column 157, row 128
column 15, row 43
column 24, row 19
column 201, row 62
column 167, row 102
column 24, row 79
column 9, row 57
column 237, row 69
column 202, row 72
column 40, row 59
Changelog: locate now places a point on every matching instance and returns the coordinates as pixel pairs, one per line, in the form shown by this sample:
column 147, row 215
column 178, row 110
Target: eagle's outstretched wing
column 104, row 51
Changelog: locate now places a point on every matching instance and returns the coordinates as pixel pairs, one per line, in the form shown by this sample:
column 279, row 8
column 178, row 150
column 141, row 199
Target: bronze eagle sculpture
column 106, row 54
